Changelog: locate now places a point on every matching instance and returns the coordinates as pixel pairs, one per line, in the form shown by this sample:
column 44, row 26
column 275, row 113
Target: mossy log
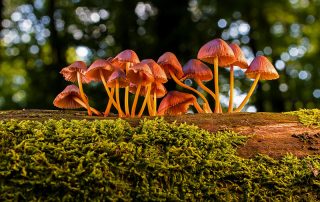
column 273, row 134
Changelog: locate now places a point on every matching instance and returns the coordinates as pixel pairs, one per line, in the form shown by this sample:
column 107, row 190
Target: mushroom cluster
column 146, row 78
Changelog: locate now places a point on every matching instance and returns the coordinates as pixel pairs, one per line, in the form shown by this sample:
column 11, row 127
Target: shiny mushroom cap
column 217, row 48
column 117, row 75
column 168, row 61
column 140, row 74
column 157, row 71
column 65, row 99
column 93, row 72
column 261, row 65
column 176, row 103
column 70, row 72
column 127, row 56
column 158, row 88
column 196, row 69
column 241, row 60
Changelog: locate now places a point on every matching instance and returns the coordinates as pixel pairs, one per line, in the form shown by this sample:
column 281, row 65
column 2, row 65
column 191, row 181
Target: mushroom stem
column 135, row 101
column 216, row 85
column 249, row 94
column 189, row 88
column 107, row 111
column 126, row 95
column 154, row 103
column 230, row 108
column 109, row 93
column 117, row 96
column 146, row 98
column 197, row 106
column 150, row 107
column 85, row 100
column 79, row 101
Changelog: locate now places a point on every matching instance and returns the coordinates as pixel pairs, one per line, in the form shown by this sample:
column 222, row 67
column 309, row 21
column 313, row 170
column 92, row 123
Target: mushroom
column 141, row 75
column 160, row 77
column 70, row 98
column 76, row 73
column 118, row 80
column 260, row 68
column 177, row 103
column 218, row 53
column 100, row 70
column 126, row 58
column 198, row 71
column 240, row 62
column 170, row 64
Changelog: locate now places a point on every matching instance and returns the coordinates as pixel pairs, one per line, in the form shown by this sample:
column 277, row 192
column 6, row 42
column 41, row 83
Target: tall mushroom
column 118, row 80
column 240, row 62
column 127, row 58
column 140, row 75
column 76, row 73
column 70, row 98
column 159, row 78
column 170, row 64
column 199, row 72
column 100, row 70
column 218, row 53
column 260, row 68
column 177, row 103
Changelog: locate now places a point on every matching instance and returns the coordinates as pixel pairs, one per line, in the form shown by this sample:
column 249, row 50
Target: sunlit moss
column 308, row 117
column 155, row 161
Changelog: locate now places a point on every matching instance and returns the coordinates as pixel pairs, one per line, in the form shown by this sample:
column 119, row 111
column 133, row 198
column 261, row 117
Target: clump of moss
column 308, row 117
column 155, row 161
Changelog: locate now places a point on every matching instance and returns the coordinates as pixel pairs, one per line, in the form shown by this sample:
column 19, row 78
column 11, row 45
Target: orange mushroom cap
column 117, row 74
column 70, row 72
column 261, row 65
column 169, row 61
column 217, row 48
column 93, row 72
column 140, row 74
column 196, row 69
column 159, row 88
column 65, row 99
column 127, row 56
column 157, row 71
column 176, row 103
column 241, row 61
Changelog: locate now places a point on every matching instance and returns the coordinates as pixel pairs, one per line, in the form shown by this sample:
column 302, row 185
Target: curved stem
column 216, row 84
column 82, row 94
column 188, row 87
column 107, row 111
column 117, row 96
column 154, row 103
column 126, row 95
column 249, row 94
column 135, row 101
column 109, row 93
column 197, row 106
column 150, row 107
column 230, row 108
column 79, row 101
column 145, row 101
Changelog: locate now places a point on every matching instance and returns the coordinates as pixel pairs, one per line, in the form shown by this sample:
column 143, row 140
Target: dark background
column 40, row 37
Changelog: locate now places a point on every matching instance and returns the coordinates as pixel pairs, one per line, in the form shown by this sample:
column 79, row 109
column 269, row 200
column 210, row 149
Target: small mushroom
column 100, row 70
column 126, row 58
column 260, row 68
column 141, row 75
column 70, row 98
column 177, row 103
column 170, row 64
column 76, row 73
column 218, row 53
column 240, row 62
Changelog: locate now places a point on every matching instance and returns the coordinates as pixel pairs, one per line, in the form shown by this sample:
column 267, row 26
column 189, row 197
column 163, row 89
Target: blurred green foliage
column 40, row 37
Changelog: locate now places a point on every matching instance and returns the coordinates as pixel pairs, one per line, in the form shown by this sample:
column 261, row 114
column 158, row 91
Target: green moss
column 308, row 117
column 156, row 161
